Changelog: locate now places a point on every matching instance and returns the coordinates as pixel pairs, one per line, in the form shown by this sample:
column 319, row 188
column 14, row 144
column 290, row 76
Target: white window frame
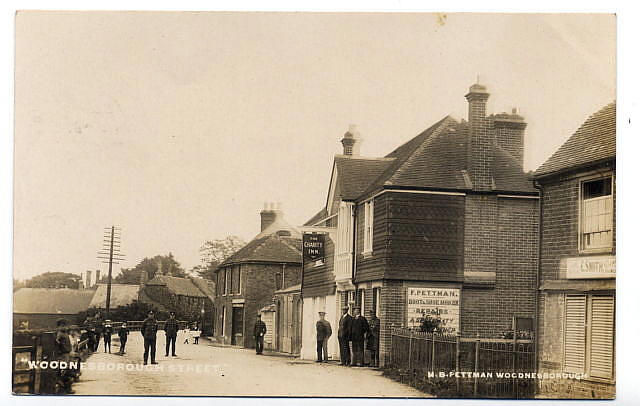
column 581, row 208
column 587, row 339
column 368, row 227
column 363, row 301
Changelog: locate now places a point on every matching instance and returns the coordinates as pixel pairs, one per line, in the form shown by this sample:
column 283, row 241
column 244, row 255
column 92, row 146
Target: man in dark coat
column 373, row 339
column 259, row 330
column 149, row 329
column 171, row 334
column 98, row 323
column 344, row 336
column 63, row 350
column 323, row 332
column 123, row 334
column 359, row 329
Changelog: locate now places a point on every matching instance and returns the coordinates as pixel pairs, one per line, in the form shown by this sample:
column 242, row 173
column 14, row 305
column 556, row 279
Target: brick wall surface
column 257, row 289
column 501, row 237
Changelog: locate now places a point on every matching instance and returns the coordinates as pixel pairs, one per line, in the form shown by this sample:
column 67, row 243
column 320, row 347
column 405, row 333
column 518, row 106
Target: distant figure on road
column 195, row 332
column 99, row 329
column 344, row 336
column 171, row 333
column 359, row 329
column 373, row 339
column 259, row 330
column 108, row 330
column 149, row 329
column 123, row 333
column 323, row 332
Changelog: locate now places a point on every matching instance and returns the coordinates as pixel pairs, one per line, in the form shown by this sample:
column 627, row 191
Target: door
column 237, row 322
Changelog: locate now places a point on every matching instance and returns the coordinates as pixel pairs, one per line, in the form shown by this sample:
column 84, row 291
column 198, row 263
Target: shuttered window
column 601, row 337
column 589, row 335
column 575, row 333
column 597, row 214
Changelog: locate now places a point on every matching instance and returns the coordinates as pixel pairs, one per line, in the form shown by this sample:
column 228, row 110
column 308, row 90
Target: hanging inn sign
column 313, row 246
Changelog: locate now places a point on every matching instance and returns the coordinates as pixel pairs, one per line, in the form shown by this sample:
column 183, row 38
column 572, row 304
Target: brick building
column 247, row 280
column 446, row 224
column 577, row 261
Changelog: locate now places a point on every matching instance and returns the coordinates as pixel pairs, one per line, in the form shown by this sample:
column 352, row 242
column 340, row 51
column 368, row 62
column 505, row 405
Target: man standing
column 344, row 335
column 259, row 330
column 359, row 329
column 323, row 331
column 63, row 350
column 171, row 334
column 149, row 330
column 123, row 332
column 373, row 339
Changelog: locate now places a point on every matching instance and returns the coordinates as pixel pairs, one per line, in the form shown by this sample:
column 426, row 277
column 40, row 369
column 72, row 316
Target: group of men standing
column 354, row 330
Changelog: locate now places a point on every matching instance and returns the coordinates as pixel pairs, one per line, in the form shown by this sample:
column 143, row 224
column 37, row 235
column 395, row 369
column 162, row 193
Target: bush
column 430, row 324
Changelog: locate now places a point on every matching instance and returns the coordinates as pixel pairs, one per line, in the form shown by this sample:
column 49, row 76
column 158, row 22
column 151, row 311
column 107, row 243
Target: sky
column 178, row 126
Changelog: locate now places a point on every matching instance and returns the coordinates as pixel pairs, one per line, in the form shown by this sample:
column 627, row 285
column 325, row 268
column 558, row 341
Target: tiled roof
column 594, row 141
column 121, row 295
column 279, row 242
column 179, row 286
column 437, row 159
column 356, row 174
column 206, row 286
column 51, row 301
column 322, row 214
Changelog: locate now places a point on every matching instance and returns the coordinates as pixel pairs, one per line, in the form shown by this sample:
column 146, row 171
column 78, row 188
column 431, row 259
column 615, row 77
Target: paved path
column 206, row 369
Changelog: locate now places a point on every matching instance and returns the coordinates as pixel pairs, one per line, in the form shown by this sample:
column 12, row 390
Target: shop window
column 589, row 335
column 596, row 217
column 368, row 227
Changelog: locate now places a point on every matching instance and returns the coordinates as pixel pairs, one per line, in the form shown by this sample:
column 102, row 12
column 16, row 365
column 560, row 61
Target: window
column 589, row 334
column 376, row 301
column 224, row 281
column 362, row 302
column 220, row 282
column 222, row 324
column 227, row 278
column 368, row 226
column 278, row 280
column 235, row 280
column 596, row 219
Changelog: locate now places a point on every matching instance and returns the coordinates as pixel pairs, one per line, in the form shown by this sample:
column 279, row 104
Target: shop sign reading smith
column 313, row 246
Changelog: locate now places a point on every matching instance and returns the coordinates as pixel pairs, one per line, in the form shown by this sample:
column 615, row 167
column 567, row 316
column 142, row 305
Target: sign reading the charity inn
column 313, row 246
column 442, row 303
column 591, row 267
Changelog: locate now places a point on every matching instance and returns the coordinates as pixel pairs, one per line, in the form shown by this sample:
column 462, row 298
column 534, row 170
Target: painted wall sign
column 437, row 302
column 313, row 246
column 591, row 267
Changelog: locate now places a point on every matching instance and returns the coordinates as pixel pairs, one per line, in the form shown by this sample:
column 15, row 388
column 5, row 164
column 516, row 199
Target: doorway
column 237, row 324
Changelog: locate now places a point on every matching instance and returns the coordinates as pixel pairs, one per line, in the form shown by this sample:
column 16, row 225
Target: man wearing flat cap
column 359, row 329
column 323, row 332
column 149, row 329
column 344, row 336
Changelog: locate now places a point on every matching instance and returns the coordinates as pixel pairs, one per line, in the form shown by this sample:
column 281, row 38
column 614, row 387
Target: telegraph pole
column 110, row 254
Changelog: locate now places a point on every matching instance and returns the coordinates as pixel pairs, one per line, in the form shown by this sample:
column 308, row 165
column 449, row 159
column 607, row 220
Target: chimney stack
column 509, row 130
column 351, row 141
column 269, row 214
column 479, row 153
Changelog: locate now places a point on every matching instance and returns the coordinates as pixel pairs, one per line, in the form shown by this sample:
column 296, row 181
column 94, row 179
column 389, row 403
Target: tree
column 214, row 252
column 165, row 264
column 54, row 280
